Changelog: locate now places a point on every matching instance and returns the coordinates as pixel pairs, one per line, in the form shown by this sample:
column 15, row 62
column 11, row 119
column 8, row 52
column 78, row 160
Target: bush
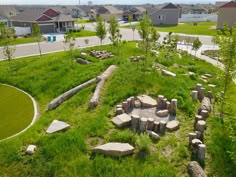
column 143, row 141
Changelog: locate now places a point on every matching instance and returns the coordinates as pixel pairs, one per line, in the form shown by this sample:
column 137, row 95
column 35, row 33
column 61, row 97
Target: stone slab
column 115, row 149
column 122, row 120
column 147, row 101
column 56, row 126
column 172, row 125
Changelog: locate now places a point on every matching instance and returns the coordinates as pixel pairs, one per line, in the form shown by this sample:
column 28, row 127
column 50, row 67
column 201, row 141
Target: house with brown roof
column 106, row 12
column 227, row 14
column 166, row 14
column 49, row 20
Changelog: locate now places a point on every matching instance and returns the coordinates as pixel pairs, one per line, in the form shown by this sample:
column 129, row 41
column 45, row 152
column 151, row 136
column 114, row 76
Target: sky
column 61, row 2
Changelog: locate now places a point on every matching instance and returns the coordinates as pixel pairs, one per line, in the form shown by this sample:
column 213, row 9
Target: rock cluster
column 101, row 54
column 136, row 59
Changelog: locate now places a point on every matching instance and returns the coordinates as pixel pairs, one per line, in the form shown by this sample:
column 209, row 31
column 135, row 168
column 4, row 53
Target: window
column 161, row 17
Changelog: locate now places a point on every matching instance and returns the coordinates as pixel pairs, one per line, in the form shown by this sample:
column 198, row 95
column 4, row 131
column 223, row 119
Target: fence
column 198, row 17
column 22, row 30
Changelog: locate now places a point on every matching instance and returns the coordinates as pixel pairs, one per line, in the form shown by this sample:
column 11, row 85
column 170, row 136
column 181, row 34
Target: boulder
column 56, row 126
column 162, row 113
column 195, row 170
column 147, row 101
column 115, row 149
column 172, row 125
column 167, row 73
column 122, row 120
column 31, row 149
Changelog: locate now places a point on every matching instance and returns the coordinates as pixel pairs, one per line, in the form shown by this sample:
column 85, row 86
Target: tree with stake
column 196, row 45
column 226, row 39
column 36, row 32
column 101, row 29
column 114, row 32
column 7, row 34
column 70, row 41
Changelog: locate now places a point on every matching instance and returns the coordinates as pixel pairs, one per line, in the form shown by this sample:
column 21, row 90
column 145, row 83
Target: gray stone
column 162, row 113
column 122, row 120
column 195, row 170
column 56, row 126
column 147, row 101
column 137, row 104
column 172, row 125
column 167, row 73
column 115, row 149
column 153, row 135
column 31, row 149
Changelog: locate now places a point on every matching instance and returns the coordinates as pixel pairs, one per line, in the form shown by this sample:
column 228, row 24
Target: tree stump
column 204, row 114
column 191, row 136
column 160, row 102
column 162, row 126
column 156, row 127
column 132, row 102
column 201, row 152
column 143, row 124
column 201, row 126
column 150, row 124
column 135, row 119
column 125, row 106
column 201, row 93
column 195, row 170
column 197, row 118
column 194, row 95
column 173, row 106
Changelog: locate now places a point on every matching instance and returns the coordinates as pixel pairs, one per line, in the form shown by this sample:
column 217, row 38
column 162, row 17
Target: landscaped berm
column 16, row 111
column 116, row 117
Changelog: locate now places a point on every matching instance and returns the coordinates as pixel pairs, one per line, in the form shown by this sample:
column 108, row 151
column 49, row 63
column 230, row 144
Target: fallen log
column 195, row 170
column 95, row 99
column 82, row 61
column 205, row 105
column 65, row 96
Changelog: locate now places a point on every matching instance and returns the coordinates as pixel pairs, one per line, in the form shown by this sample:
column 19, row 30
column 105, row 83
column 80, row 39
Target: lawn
column 69, row 153
column 16, row 111
column 202, row 28
column 82, row 33
column 19, row 41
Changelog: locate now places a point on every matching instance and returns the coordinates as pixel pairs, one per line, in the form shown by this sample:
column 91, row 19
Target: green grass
column 83, row 33
column 69, row 153
column 16, row 111
column 19, row 41
column 203, row 28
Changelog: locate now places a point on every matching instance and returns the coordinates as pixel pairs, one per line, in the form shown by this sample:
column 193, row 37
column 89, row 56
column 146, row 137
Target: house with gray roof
column 166, row 14
column 49, row 20
column 6, row 12
column 135, row 12
column 106, row 12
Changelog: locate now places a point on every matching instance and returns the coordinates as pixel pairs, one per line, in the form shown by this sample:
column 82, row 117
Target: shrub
column 143, row 141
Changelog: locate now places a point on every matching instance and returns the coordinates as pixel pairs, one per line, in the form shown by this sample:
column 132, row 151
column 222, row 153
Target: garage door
column 47, row 28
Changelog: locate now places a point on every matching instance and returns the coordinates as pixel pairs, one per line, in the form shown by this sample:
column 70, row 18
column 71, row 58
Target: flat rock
column 162, row 113
column 153, row 135
column 147, row 101
column 115, row 149
column 56, row 126
column 31, row 149
column 122, row 120
column 172, row 125
column 167, row 73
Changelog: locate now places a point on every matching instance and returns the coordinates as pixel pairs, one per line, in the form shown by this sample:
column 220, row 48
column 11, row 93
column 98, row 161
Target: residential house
column 227, row 14
column 6, row 12
column 135, row 12
column 106, row 12
column 166, row 14
column 72, row 11
column 49, row 20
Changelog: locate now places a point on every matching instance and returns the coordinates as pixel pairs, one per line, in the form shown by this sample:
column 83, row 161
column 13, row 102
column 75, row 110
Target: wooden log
column 173, row 106
column 206, row 104
column 194, row 95
column 135, row 119
column 156, row 127
column 201, row 152
column 150, row 124
column 65, row 96
column 143, row 124
column 162, row 126
column 95, row 99
column 195, row 170
column 191, row 136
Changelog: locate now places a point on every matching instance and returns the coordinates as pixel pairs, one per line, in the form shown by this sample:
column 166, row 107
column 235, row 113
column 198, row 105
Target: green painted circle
column 16, row 111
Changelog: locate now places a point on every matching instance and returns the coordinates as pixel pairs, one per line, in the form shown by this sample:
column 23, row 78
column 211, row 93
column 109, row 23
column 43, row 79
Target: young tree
column 101, row 29
column 70, row 41
column 146, row 32
column 7, row 34
column 36, row 32
column 226, row 39
column 130, row 19
column 196, row 45
column 114, row 32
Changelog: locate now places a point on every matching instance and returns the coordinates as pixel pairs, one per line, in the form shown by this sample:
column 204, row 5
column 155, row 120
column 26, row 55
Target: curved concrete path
column 36, row 113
